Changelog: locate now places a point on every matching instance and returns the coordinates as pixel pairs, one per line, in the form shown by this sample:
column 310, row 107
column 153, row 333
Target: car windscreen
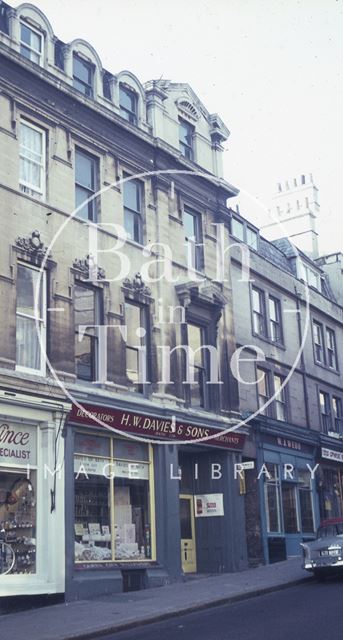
column 330, row 531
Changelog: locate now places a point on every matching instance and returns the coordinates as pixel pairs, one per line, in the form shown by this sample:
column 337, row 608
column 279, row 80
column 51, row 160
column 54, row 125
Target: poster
column 207, row 505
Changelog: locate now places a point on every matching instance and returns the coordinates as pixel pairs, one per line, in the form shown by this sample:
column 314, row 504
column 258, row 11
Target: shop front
column 330, row 482
column 141, row 513
column 31, row 496
column 289, row 506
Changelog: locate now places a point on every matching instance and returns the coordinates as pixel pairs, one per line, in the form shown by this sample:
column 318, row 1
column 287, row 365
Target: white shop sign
column 18, row 444
column 247, row 465
column 210, row 504
column 117, row 469
column 330, row 454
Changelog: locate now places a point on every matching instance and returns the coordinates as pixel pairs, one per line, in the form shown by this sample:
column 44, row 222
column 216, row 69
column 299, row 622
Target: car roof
column 325, row 523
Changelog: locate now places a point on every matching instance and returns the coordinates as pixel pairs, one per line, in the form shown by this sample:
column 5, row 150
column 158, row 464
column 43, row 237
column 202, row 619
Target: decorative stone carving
column 136, row 285
column 89, row 269
column 33, row 246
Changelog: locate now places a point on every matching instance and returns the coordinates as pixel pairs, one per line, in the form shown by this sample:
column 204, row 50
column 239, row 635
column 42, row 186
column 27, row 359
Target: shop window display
column 17, row 523
column 112, row 500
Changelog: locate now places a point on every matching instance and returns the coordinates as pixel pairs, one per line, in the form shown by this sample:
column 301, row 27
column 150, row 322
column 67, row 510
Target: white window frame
column 42, row 322
column 34, row 191
column 24, row 44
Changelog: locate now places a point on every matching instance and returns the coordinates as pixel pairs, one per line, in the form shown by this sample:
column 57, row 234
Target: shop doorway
column 188, row 544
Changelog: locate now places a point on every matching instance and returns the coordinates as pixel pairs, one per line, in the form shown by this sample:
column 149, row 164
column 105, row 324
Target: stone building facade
column 113, row 209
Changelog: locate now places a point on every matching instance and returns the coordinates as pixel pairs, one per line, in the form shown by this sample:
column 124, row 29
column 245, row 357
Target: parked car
column 325, row 554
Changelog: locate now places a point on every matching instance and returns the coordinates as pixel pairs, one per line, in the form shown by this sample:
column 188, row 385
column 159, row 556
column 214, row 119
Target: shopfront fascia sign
column 18, row 444
column 210, row 504
column 330, row 454
column 152, row 427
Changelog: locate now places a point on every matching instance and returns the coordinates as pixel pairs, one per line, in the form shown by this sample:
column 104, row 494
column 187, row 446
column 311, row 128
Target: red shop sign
column 152, row 427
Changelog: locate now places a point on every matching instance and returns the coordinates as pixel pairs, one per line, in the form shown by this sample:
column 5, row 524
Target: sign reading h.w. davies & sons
column 152, row 427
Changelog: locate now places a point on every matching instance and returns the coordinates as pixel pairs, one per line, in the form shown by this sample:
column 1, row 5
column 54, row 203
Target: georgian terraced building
column 101, row 511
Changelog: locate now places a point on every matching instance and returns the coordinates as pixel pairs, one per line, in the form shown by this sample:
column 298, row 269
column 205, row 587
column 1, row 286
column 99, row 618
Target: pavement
column 93, row 618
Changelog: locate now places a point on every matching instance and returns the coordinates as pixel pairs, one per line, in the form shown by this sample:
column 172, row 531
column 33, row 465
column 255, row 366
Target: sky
column 272, row 69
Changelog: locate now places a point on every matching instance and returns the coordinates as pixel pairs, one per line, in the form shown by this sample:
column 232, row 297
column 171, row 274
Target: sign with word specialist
column 18, row 444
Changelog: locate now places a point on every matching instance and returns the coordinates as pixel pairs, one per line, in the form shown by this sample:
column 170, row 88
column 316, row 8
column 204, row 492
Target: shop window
column 263, row 390
column 133, row 208
column 32, row 169
column 305, row 501
column 17, row 522
column 272, row 499
column 88, row 316
column 31, row 322
column 136, row 345
column 259, row 312
column 331, row 494
column 193, row 237
column 289, row 507
column 83, row 76
column 280, row 397
column 128, row 104
column 86, row 170
column 113, row 500
column 186, row 139
column 31, row 43
column 325, row 411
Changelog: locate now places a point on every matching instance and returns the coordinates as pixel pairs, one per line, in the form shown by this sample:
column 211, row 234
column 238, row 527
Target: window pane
column 25, row 34
column 189, row 221
column 82, row 195
column 27, row 283
column 195, row 342
column 84, row 306
column 82, row 70
column 27, row 344
column 132, row 365
column 92, row 516
column 132, row 195
column 85, row 170
column 289, row 508
column 251, row 238
column 88, row 443
column 256, row 300
column 306, row 513
column 132, row 225
column 129, row 450
column 237, row 229
column 272, row 507
column 84, row 358
column 132, row 516
column 18, row 521
column 133, row 322
column 127, row 99
column 31, row 156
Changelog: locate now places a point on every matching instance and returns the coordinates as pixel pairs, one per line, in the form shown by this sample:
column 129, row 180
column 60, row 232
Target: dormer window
column 31, row 43
column 186, row 139
column 243, row 232
column 83, row 76
column 128, row 104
